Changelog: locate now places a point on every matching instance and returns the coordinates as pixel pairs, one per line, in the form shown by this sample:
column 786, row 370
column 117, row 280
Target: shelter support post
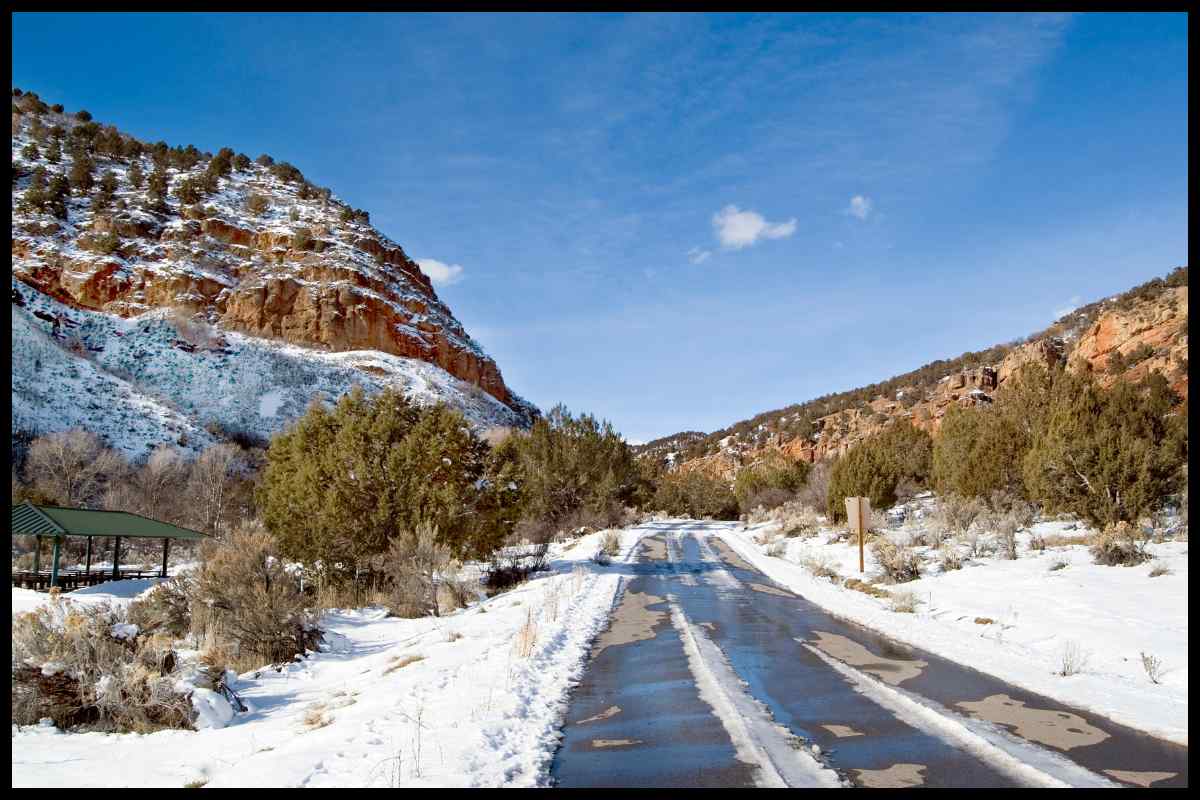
column 37, row 554
column 54, row 562
column 116, row 573
column 87, row 561
column 166, row 549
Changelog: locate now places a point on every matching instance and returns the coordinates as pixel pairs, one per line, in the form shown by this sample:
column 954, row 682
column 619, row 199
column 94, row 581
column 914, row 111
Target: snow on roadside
column 392, row 702
column 1030, row 609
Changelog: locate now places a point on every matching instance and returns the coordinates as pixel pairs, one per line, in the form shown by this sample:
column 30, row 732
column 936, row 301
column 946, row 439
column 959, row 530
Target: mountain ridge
column 221, row 249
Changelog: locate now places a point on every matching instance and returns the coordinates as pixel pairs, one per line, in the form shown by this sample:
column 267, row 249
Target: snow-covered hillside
column 164, row 295
column 138, row 383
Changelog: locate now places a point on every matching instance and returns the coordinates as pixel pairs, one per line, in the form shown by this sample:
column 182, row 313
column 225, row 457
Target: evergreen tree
column 30, row 152
column 82, row 167
column 106, row 191
column 340, row 483
column 54, row 151
column 57, row 192
column 35, row 196
column 156, row 189
column 877, row 466
column 136, row 178
column 1108, row 455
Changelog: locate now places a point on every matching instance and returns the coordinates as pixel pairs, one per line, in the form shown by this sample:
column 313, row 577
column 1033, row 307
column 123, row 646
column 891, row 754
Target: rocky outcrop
column 1150, row 335
column 299, row 272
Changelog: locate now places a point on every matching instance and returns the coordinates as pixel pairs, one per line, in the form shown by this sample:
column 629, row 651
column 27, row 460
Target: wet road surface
column 710, row 674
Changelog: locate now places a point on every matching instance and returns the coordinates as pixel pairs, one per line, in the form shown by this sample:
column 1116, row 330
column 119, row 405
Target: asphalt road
column 710, row 674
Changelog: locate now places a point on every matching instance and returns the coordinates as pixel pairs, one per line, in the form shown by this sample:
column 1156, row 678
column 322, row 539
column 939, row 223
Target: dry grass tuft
column 400, row 662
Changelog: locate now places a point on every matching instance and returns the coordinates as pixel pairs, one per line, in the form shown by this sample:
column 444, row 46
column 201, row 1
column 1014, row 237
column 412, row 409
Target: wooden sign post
column 858, row 513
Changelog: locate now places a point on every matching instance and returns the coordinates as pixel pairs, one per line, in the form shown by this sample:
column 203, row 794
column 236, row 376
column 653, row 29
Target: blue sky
column 676, row 222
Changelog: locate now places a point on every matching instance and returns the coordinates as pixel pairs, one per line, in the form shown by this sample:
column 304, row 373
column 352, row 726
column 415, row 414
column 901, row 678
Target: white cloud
column 860, row 206
column 439, row 272
column 698, row 256
column 1071, row 305
column 737, row 229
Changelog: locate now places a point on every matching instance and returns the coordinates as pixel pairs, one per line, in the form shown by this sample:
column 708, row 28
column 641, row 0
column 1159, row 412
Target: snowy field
column 444, row 701
column 1016, row 619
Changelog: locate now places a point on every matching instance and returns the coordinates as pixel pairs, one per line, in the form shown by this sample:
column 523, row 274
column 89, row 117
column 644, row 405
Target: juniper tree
column 1109, row 455
column 877, row 466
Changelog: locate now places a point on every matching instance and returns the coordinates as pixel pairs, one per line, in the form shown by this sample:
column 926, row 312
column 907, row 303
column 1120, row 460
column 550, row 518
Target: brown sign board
column 858, row 513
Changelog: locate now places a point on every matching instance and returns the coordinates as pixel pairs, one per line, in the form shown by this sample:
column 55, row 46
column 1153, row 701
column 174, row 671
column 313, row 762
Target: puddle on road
column 1139, row 778
column 654, row 548
column 760, row 587
column 842, row 731
column 728, row 555
column 894, row 777
column 600, row 743
column 891, row 670
column 1059, row 729
column 611, row 711
column 633, row 621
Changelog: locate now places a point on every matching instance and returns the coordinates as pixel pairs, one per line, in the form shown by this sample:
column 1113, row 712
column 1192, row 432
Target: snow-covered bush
column 88, row 665
column 949, row 559
column 244, row 597
column 899, row 563
column 1121, row 544
column 610, row 542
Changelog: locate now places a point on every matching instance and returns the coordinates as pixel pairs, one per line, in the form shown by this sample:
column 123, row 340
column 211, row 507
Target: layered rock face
column 1150, row 335
column 299, row 269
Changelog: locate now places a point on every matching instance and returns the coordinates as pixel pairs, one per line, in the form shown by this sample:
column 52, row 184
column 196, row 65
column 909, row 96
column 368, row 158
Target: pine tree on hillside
column 136, row 178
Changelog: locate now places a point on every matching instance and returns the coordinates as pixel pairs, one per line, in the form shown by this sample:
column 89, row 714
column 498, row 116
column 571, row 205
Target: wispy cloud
column 736, row 228
column 860, row 206
column 440, row 272
column 698, row 255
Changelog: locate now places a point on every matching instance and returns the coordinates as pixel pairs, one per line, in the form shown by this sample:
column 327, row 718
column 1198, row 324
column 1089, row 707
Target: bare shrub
column 950, row 559
column 953, row 516
column 71, row 467
column 1007, row 526
column 1153, row 666
column 610, row 543
column 1057, row 565
column 776, row 548
column 512, row 566
column 904, row 602
column 1121, row 544
column 166, row 608
column 551, row 595
column 815, row 491
column 898, row 562
column 1073, row 659
column 768, row 498
column 87, row 665
column 819, row 565
column 526, row 636
column 1158, row 568
column 245, row 597
column 412, row 564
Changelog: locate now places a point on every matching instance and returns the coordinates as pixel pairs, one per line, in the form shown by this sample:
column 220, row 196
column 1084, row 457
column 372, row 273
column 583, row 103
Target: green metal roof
column 31, row 520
